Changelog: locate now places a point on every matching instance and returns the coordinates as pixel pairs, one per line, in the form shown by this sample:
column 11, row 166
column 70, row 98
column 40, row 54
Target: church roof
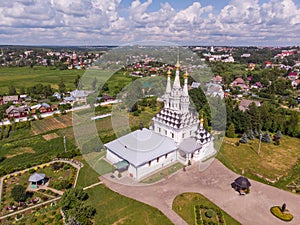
column 141, row 146
column 175, row 119
column 202, row 136
column 189, row 145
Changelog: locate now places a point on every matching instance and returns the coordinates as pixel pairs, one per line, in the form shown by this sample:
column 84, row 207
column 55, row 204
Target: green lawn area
column 113, row 208
column 87, row 175
column 273, row 162
column 163, row 173
column 184, row 205
column 27, row 77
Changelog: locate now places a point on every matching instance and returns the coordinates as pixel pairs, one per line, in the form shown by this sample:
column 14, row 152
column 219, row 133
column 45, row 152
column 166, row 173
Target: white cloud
column 93, row 21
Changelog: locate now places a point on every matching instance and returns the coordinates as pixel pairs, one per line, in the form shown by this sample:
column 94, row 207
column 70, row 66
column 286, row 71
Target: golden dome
column 186, row 75
column 177, row 66
column 202, row 120
column 169, row 73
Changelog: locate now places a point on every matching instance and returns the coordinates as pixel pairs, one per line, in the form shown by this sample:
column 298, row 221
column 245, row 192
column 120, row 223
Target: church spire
column 185, row 86
column 176, row 84
column 168, row 88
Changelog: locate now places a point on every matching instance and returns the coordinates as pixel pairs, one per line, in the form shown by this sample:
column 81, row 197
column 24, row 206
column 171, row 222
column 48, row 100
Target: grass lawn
column 273, row 162
column 184, row 205
column 113, row 208
column 87, row 175
column 27, row 77
column 163, row 173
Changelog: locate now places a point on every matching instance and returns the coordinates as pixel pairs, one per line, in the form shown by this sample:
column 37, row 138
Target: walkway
column 214, row 183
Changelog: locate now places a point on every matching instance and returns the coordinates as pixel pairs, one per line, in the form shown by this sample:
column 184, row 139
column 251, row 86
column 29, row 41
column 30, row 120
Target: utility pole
column 260, row 135
column 65, row 144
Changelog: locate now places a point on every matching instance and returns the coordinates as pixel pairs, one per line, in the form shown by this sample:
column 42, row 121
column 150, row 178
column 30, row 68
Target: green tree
column 76, row 82
column 18, row 193
column 12, row 90
column 244, row 138
column 61, row 86
column 231, row 131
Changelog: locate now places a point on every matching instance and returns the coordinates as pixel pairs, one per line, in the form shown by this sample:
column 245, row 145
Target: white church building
column 177, row 135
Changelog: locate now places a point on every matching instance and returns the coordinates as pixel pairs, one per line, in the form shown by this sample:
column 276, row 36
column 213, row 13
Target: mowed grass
column 272, row 163
column 113, row 208
column 27, row 77
column 184, row 205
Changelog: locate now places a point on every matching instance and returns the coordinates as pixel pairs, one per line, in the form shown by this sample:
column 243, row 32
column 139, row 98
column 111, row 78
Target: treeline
column 267, row 117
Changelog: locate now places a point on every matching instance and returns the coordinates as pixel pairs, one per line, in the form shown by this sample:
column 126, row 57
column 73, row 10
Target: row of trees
column 267, row 117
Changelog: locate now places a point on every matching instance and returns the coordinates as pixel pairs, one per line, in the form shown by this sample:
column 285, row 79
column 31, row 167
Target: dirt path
column 214, row 183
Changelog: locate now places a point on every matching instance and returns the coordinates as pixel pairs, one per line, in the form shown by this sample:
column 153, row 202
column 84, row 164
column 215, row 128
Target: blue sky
column 114, row 22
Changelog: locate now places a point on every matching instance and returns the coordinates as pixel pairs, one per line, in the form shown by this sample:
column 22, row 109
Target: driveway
column 214, row 183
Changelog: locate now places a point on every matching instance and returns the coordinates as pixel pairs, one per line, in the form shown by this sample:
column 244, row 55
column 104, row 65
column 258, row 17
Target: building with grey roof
column 176, row 135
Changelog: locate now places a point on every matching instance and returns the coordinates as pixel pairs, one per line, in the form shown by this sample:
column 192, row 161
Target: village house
column 80, row 96
column 239, row 82
column 11, row 98
column 245, row 103
column 42, row 107
column 17, row 112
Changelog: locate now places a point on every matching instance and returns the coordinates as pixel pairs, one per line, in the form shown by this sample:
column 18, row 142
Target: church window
column 157, row 159
column 159, row 129
column 183, row 135
column 166, row 132
column 190, row 133
column 149, row 163
column 172, row 135
column 166, row 156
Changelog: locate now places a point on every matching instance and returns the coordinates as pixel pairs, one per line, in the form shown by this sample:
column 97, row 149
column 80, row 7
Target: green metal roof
column 121, row 165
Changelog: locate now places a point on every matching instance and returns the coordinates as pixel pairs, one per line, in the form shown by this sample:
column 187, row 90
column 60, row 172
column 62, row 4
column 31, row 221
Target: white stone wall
column 113, row 158
column 144, row 170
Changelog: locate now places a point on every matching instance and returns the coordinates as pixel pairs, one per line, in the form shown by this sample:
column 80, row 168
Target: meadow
column 276, row 164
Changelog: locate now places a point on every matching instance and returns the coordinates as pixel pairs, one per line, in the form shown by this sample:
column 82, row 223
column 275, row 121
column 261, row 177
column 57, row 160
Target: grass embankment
column 184, row 205
column 275, row 164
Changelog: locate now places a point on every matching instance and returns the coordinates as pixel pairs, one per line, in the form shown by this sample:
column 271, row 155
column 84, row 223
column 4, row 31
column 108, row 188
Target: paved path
column 214, row 183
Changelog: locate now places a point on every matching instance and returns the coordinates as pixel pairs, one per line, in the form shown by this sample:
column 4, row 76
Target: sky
column 119, row 22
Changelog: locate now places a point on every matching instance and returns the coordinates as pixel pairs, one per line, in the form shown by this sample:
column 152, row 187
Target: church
column 177, row 135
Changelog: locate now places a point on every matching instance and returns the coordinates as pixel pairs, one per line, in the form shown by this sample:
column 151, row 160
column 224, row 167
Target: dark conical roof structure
column 242, row 182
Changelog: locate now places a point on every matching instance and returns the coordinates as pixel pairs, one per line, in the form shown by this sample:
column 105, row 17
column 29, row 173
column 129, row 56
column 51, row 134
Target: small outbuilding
column 36, row 179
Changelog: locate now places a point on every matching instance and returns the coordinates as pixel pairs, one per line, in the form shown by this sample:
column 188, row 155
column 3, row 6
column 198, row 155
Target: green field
column 27, row 77
column 274, row 163
column 185, row 203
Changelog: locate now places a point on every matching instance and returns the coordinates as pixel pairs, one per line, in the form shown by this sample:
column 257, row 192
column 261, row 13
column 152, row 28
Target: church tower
column 176, row 120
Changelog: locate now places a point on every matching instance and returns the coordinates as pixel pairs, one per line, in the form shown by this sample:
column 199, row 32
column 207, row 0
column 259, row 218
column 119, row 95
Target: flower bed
column 285, row 216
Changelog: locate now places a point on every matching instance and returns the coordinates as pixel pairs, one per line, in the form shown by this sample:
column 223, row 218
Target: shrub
column 209, row 213
column 31, row 171
column 276, row 211
column 67, row 166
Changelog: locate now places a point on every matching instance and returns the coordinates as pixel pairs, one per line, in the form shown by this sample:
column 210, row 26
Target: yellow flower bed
column 285, row 216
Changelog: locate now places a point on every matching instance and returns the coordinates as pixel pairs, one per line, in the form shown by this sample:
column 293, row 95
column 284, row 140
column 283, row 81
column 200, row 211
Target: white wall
column 113, row 158
column 145, row 169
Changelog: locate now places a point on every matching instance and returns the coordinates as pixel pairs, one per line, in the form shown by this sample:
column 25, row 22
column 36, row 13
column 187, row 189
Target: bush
column 209, row 213
column 276, row 211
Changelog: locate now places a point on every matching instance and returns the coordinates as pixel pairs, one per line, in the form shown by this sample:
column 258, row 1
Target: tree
column 22, row 90
column 250, row 135
column 266, row 137
column 77, row 80
column 18, row 193
column 231, row 131
column 278, row 135
column 12, row 90
column 61, row 86
column 244, row 139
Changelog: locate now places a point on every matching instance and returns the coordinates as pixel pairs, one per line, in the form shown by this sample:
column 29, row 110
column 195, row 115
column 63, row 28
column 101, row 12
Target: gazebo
column 241, row 184
column 36, row 179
